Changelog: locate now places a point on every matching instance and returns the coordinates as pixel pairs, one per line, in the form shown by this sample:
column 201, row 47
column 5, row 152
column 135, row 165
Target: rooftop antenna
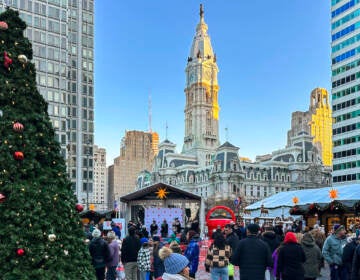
column 227, row 134
column 166, row 131
column 150, row 112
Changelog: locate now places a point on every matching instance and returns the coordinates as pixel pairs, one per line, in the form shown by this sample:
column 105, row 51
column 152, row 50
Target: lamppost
column 87, row 181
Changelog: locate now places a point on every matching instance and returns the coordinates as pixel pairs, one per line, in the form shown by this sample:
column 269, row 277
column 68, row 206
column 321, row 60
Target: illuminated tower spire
column 201, row 91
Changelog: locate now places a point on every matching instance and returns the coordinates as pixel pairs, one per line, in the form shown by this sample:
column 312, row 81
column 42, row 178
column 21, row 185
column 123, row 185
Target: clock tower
column 201, row 91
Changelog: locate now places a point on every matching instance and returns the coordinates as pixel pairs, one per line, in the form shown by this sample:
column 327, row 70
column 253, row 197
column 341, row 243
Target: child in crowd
column 143, row 259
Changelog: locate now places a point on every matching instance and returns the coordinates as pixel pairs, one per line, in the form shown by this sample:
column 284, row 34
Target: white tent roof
column 345, row 193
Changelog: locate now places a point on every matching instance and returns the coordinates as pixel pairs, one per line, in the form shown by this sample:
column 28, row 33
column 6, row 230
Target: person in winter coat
column 158, row 264
column 176, row 265
column 273, row 241
column 192, row 252
column 217, row 259
column 164, row 229
column 153, row 228
column 270, row 238
column 231, row 238
column 291, row 259
column 333, row 251
column 348, row 254
column 143, row 259
column 100, row 254
column 129, row 253
column 252, row 255
column 114, row 255
column 313, row 257
column 355, row 269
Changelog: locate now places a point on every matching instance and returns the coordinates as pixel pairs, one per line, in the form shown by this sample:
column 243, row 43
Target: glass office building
column 62, row 36
column 345, row 56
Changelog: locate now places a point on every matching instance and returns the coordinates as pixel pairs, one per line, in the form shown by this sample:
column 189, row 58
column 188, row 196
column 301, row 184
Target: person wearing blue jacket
column 192, row 252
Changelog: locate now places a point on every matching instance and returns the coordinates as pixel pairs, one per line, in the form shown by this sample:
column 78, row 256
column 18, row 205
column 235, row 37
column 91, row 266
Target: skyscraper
column 100, row 191
column 62, row 37
column 317, row 122
column 137, row 153
column 345, row 55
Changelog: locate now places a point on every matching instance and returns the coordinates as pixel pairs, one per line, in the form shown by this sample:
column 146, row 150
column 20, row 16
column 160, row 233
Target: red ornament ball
column 18, row 155
column 79, row 207
column 3, row 25
column 7, row 60
column 2, row 198
column 18, row 127
column 20, row 252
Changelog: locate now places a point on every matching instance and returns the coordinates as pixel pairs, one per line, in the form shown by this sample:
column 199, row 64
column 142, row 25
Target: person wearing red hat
column 291, row 259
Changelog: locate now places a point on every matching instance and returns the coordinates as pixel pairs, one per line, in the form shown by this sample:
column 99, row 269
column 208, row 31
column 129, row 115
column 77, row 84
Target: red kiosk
column 219, row 216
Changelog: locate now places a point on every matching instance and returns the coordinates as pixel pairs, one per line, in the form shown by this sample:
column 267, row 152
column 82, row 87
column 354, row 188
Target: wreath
column 314, row 208
column 336, row 207
column 357, row 208
column 296, row 210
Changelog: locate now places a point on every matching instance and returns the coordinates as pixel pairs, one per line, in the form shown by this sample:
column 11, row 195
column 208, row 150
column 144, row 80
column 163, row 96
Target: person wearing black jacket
column 355, row 270
column 164, row 229
column 231, row 237
column 100, row 254
column 252, row 255
column 153, row 228
column 291, row 259
column 129, row 253
column 270, row 238
column 348, row 254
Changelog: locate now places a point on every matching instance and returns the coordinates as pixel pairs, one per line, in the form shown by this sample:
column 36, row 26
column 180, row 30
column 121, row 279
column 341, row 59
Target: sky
column 271, row 55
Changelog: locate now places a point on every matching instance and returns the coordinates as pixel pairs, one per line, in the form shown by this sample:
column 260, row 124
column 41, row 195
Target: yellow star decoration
column 295, row 200
column 161, row 193
column 333, row 194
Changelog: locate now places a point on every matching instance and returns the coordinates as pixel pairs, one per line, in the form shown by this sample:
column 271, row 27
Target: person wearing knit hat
column 114, row 255
column 333, row 252
column 176, row 265
column 100, row 253
column 96, row 233
column 143, row 259
column 291, row 259
column 192, row 252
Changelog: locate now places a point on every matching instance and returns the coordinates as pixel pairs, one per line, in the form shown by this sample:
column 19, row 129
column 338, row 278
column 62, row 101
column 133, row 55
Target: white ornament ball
column 51, row 237
column 22, row 58
column 66, row 252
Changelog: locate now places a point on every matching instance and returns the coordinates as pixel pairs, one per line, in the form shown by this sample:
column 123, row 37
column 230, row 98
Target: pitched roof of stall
column 149, row 193
column 320, row 195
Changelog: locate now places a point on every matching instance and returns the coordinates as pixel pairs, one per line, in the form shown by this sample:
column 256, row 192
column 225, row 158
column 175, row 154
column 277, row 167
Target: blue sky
column 271, row 54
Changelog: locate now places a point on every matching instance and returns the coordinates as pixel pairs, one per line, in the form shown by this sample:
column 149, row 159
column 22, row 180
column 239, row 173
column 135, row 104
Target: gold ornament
column 52, row 237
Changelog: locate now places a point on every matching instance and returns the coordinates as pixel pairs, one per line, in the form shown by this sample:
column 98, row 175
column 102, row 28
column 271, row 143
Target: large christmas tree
column 41, row 235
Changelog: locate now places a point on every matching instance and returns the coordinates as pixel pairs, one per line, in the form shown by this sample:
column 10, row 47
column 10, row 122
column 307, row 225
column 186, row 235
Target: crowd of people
column 268, row 252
